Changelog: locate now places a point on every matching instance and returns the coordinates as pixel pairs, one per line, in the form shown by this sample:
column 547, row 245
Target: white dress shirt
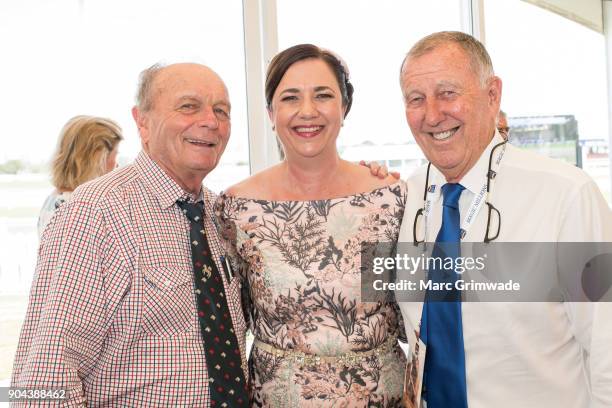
column 528, row 354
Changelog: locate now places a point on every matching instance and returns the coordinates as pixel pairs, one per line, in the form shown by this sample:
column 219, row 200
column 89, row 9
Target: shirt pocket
column 168, row 306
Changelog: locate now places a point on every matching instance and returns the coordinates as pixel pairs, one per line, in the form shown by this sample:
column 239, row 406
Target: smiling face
column 450, row 113
column 188, row 126
column 307, row 110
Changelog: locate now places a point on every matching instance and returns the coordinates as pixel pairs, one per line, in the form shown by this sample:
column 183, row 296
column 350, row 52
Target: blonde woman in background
column 87, row 148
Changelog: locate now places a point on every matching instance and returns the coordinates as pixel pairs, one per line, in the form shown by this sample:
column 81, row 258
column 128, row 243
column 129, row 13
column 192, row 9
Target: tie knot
column 193, row 211
column 451, row 193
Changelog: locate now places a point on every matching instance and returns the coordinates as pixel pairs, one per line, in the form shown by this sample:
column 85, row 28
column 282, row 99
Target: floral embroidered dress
column 302, row 264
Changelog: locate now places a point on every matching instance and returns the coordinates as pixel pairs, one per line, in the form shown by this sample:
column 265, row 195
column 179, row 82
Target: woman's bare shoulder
column 254, row 186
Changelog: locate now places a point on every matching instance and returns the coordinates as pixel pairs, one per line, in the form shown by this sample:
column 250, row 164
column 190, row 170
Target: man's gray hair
column 144, row 97
column 475, row 50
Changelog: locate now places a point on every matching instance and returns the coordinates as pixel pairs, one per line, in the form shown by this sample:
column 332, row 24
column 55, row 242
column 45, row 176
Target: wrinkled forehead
column 445, row 64
column 190, row 79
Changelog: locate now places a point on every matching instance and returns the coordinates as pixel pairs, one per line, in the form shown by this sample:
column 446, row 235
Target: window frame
column 261, row 44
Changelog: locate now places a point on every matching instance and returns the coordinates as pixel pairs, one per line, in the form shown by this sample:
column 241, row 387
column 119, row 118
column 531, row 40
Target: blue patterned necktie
column 228, row 387
column 441, row 326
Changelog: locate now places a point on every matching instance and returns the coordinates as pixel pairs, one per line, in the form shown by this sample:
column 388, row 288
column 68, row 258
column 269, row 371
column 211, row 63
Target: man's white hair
column 475, row 50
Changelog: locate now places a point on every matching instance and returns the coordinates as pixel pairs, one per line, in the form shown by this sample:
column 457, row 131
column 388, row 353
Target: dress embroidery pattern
column 301, row 261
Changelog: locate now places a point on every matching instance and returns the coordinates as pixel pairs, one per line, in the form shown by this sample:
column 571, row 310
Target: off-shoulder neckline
column 224, row 195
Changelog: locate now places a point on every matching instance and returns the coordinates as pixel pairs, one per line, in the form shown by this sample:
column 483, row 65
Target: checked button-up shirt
column 112, row 316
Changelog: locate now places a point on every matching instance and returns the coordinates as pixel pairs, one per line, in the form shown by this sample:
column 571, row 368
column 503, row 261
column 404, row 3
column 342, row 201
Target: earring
column 273, row 128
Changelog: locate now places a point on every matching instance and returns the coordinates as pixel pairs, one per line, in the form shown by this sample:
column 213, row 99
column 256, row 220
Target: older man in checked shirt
column 113, row 318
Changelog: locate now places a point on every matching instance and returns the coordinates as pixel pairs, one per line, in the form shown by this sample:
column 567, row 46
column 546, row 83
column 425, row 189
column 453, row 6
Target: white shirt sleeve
column 589, row 219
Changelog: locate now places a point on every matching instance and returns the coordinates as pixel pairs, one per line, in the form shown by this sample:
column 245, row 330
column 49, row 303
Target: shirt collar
column 474, row 179
column 167, row 191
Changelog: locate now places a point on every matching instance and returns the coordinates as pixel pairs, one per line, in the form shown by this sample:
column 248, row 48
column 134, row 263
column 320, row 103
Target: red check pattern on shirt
column 112, row 316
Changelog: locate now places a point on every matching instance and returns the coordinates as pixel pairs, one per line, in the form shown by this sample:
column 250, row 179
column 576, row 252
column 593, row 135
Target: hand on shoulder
column 380, row 171
column 370, row 178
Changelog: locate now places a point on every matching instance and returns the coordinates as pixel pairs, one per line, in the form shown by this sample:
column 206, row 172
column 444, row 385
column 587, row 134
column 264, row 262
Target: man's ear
column 495, row 92
column 141, row 124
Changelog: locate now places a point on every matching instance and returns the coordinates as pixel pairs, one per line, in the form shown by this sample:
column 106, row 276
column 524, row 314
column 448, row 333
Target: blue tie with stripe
column 441, row 326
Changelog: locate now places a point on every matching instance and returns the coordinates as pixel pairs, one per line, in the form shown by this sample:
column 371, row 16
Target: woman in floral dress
column 299, row 229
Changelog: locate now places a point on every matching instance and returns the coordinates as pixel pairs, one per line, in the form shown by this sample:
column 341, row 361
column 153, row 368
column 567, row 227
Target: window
column 552, row 71
column 372, row 37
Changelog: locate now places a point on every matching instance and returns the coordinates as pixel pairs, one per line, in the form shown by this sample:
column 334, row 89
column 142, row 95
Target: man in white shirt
column 515, row 354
